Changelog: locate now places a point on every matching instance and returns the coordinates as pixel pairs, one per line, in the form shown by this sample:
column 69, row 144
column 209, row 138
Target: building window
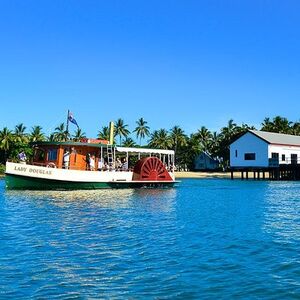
column 235, row 153
column 283, row 157
column 52, row 154
column 249, row 156
column 294, row 159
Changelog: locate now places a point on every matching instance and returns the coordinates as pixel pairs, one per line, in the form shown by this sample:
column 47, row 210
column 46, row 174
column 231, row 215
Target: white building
column 264, row 149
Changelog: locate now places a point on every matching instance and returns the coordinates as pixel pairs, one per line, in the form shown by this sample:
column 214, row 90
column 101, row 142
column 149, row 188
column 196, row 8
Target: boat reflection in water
column 149, row 199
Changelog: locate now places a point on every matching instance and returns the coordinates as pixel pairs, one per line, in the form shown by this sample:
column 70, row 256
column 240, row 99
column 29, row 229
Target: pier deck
column 281, row 172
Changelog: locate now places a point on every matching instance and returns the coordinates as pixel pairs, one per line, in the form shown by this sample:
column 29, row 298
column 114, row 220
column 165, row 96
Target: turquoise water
column 205, row 239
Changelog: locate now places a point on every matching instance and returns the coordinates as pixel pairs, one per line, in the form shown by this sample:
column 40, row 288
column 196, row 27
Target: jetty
column 282, row 172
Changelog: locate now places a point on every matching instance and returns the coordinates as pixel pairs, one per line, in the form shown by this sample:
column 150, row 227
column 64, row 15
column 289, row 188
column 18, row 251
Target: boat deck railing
column 72, row 167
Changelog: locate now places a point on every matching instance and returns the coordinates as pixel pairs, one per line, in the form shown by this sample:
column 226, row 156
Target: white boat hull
column 23, row 176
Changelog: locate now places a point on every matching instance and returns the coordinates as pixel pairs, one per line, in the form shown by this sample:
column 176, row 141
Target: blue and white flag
column 72, row 120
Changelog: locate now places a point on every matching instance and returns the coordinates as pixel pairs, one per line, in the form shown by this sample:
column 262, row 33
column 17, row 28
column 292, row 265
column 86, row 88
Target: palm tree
column 192, row 149
column 6, row 140
column 103, row 134
column 295, row 129
column 129, row 142
column 19, row 133
column 142, row 130
column 194, row 145
column 78, row 135
column 245, row 127
column 179, row 143
column 228, row 134
column 121, row 129
column 178, row 138
column 267, row 125
column 51, row 138
column 61, row 134
column 204, row 136
column 36, row 134
column 160, row 139
column 229, row 131
column 282, row 125
column 214, row 144
column 278, row 124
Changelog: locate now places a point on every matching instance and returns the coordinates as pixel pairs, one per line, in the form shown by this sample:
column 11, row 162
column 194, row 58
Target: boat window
column 249, row 156
column 52, row 154
column 39, row 155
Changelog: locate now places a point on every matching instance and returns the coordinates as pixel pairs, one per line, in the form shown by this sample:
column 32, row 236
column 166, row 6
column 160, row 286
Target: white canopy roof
column 145, row 150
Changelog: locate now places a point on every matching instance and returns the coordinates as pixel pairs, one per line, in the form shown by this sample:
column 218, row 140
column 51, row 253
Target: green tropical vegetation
column 78, row 135
column 103, row 134
column 186, row 147
column 142, row 130
column 36, row 134
column 121, row 130
column 61, row 134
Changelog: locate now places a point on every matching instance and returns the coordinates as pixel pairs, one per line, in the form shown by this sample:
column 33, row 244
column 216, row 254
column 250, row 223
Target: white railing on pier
column 275, row 162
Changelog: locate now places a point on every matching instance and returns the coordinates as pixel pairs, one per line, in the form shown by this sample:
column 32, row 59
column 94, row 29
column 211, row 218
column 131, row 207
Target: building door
column 275, row 158
column 294, row 159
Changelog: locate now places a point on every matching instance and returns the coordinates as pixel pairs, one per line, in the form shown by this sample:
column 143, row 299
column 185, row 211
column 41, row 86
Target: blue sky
column 186, row 63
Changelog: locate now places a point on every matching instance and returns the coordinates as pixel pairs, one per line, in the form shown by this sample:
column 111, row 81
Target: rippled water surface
column 205, row 239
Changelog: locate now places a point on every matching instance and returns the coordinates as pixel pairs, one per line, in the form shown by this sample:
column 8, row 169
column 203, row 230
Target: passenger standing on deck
column 100, row 164
column 118, row 164
column 92, row 163
column 87, row 160
column 66, row 159
column 125, row 164
column 22, row 157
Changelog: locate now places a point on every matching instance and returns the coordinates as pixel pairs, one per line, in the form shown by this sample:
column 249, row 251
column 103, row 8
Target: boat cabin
column 94, row 156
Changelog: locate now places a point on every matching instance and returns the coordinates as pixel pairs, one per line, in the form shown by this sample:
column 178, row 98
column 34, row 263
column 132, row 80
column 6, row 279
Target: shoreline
column 223, row 175
column 190, row 174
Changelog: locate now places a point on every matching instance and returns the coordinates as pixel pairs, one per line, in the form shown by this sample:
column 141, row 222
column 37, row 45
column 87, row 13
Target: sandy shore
column 202, row 174
column 236, row 175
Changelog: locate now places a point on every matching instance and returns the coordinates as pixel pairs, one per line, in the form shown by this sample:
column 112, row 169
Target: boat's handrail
column 53, row 165
column 144, row 150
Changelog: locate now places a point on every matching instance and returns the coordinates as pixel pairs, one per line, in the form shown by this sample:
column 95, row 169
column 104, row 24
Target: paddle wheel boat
column 91, row 164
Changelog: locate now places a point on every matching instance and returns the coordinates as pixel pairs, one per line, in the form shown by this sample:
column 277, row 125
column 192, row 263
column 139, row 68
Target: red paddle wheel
column 152, row 169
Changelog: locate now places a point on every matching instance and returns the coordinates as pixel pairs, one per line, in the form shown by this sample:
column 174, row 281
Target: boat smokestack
column 111, row 133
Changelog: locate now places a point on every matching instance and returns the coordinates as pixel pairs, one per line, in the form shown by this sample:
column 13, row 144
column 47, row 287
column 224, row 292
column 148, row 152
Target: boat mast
column 67, row 128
